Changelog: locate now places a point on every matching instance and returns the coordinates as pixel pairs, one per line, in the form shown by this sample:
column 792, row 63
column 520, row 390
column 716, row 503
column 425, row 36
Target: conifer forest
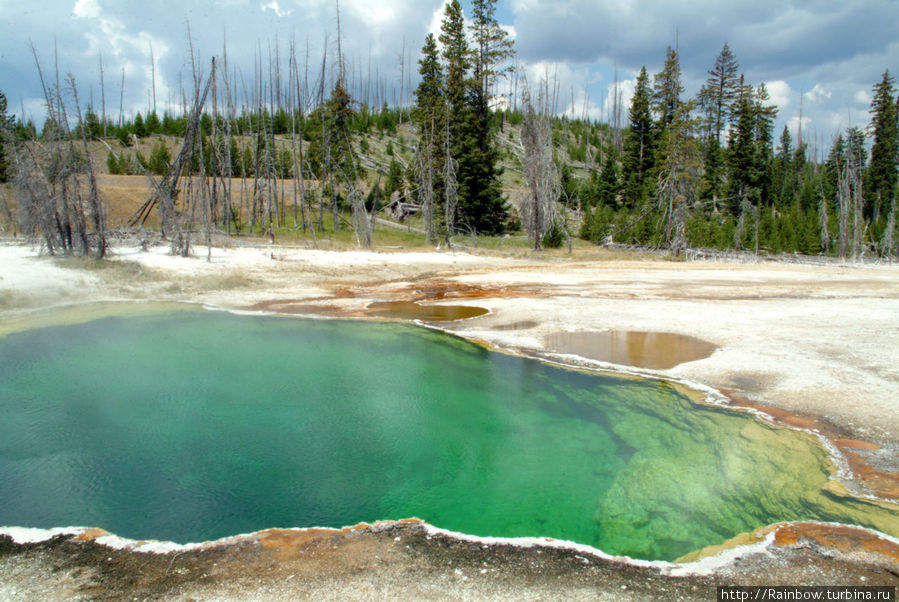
column 463, row 147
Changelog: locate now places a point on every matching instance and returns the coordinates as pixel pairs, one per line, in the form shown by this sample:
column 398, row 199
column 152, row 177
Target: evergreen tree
column 456, row 57
column 667, row 90
column 5, row 135
column 639, row 144
column 764, row 115
column 742, row 153
column 172, row 126
column 783, row 181
column 493, row 46
column 836, row 159
column 112, row 165
column 394, row 178
column 481, row 206
column 236, row 163
column 720, row 91
column 609, row 185
column 882, row 174
column 92, row 124
column 429, row 115
column 152, row 124
column 159, row 159
column 713, row 176
column 429, row 103
column 716, row 99
column 138, row 126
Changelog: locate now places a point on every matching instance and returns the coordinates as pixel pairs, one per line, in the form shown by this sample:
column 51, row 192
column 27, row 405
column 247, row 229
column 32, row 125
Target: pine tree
column 608, row 183
column 764, row 142
column 882, row 174
column 471, row 146
column 742, row 153
column 667, row 90
column 493, row 46
column 5, row 135
column 429, row 115
column 92, row 124
column 639, row 144
column 720, row 91
column 394, row 178
column 783, row 182
column 138, row 126
column 481, row 206
column 456, row 56
column 716, row 99
column 428, row 111
column 159, row 159
column 152, row 124
column 112, row 165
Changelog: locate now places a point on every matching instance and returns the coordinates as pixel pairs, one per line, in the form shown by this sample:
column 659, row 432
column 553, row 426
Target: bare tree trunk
column 450, row 187
column 153, row 73
column 97, row 213
column 122, row 100
column 102, row 96
column 823, row 224
column 843, row 195
column 857, row 209
column 425, row 157
column 539, row 213
column 887, row 243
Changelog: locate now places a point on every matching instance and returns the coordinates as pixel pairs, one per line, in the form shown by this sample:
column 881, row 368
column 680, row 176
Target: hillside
column 124, row 166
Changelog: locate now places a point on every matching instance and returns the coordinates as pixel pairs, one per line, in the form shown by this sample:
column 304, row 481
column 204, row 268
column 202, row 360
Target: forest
column 453, row 158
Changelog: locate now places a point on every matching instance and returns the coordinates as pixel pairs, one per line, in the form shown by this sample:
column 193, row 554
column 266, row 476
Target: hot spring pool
column 192, row 425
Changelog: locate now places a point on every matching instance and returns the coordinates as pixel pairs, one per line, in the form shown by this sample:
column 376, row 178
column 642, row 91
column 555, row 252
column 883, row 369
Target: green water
column 193, row 425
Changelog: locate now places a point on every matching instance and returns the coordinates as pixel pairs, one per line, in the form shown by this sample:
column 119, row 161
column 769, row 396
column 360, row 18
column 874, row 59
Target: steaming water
column 192, row 425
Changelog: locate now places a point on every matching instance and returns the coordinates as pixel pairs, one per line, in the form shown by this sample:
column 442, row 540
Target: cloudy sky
column 828, row 53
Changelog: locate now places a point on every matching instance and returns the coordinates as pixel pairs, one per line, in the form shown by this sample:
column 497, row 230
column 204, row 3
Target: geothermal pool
column 192, row 425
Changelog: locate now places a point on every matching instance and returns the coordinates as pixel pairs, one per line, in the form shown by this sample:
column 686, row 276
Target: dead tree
column 166, row 191
column 95, row 207
column 539, row 212
column 425, row 158
column 681, row 167
column 47, row 180
column 450, row 185
column 887, row 242
column 850, row 197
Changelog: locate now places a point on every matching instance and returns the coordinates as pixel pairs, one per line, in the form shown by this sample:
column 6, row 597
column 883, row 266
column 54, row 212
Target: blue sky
column 829, row 53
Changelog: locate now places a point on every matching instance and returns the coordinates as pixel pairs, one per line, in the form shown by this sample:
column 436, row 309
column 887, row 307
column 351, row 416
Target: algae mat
column 192, row 425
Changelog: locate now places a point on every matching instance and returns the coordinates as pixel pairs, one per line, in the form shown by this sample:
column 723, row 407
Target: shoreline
column 411, row 559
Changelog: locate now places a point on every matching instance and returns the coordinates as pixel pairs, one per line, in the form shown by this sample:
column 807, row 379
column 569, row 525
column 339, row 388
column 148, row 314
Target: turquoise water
column 193, row 425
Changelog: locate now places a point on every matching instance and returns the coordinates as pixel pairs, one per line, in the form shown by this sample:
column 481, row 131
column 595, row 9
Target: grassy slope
column 124, row 194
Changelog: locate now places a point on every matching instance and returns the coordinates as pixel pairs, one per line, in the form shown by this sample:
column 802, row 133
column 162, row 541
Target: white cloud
column 273, row 6
column 781, row 94
column 86, row 9
column 374, row 14
column 437, row 19
column 818, row 94
column 840, row 49
column 625, row 92
column 862, row 97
